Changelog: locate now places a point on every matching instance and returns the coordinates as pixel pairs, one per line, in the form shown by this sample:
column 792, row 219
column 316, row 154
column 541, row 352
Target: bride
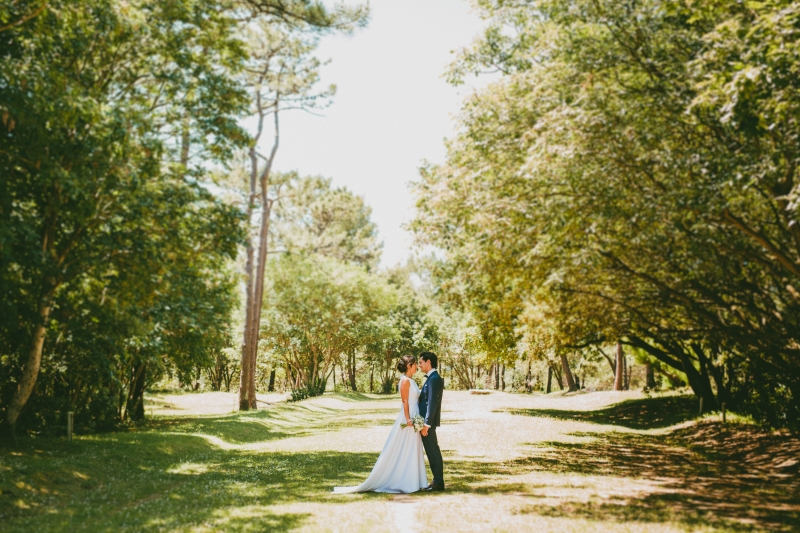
column 401, row 466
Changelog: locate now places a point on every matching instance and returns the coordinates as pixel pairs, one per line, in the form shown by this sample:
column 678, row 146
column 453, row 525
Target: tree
column 313, row 217
column 319, row 308
column 90, row 95
column 619, row 368
column 619, row 173
column 281, row 74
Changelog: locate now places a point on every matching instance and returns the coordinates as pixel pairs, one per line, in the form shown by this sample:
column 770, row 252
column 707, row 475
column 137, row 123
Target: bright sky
column 392, row 110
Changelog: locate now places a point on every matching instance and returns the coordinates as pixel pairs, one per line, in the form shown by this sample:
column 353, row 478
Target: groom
column 430, row 406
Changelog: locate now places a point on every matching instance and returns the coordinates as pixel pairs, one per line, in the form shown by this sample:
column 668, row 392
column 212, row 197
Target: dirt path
column 580, row 462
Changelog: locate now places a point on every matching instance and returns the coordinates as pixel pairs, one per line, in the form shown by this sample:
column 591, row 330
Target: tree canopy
column 634, row 172
column 115, row 259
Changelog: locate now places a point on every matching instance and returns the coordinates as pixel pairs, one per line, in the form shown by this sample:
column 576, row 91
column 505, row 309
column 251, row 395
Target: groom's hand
column 424, row 431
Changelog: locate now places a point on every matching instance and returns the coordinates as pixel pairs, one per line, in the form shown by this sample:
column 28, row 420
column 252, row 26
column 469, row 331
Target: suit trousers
column 431, row 444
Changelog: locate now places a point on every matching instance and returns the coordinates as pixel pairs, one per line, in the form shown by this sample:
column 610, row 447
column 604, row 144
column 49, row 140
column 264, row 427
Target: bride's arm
column 404, row 386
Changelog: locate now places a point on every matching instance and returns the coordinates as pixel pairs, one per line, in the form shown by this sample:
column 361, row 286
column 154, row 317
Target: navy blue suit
column 430, row 407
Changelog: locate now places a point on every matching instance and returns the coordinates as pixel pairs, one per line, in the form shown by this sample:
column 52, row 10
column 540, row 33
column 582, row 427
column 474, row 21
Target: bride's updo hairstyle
column 405, row 362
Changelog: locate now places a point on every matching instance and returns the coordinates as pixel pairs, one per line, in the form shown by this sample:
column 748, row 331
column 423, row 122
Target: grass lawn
column 599, row 461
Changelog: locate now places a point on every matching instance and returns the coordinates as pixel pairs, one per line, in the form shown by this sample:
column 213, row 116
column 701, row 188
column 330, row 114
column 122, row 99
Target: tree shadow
column 709, row 475
column 363, row 397
column 156, row 482
column 269, row 425
column 735, row 478
column 645, row 413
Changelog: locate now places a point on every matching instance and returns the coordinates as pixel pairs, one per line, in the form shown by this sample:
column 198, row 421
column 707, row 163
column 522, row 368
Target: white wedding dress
column 401, row 466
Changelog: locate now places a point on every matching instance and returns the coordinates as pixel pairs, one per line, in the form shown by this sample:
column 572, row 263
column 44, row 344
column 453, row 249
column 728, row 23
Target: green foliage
column 312, row 217
column 633, row 176
column 107, row 239
column 111, row 249
column 316, row 309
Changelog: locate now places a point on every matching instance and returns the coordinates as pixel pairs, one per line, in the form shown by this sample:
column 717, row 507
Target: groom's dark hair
column 430, row 356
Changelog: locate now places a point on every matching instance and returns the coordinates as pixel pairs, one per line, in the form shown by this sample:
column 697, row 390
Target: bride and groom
column 401, row 466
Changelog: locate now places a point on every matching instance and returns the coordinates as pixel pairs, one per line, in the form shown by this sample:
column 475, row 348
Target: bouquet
column 417, row 422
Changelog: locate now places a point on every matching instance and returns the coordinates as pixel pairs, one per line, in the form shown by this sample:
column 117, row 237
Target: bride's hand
column 409, row 423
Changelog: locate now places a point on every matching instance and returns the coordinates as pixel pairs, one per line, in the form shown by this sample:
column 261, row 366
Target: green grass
column 513, row 463
column 168, row 476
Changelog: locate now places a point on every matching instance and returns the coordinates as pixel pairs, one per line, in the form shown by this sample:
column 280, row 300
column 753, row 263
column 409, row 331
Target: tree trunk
column 698, row 381
column 255, row 280
column 549, row 380
column 134, row 409
column 30, row 370
column 619, row 365
column 496, row 376
column 707, row 367
column 352, row 371
column 246, row 373
column 528, row 385
column 650, row 376
column 609, row 359
column 503, row 377
column 271, row 387
column 568, row 373
column 626, row 372
column 371, row 377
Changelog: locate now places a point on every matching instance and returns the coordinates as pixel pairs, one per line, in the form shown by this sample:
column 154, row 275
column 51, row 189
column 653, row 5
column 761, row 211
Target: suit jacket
column 430, row 399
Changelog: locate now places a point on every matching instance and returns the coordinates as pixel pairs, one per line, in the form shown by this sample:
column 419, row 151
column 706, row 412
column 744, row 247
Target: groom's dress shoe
column 434, row 488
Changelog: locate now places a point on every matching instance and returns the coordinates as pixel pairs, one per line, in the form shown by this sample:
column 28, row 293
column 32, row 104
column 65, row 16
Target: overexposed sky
column 392, row 109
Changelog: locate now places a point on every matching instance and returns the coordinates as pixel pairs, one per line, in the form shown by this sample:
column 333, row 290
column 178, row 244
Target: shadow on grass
column 363, row 397
column 294, row 420
column 732, row 478
column 645, row 413
column 157, row 482
column 703, row 477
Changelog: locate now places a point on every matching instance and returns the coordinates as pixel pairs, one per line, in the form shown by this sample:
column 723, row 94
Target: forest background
column 618, row 210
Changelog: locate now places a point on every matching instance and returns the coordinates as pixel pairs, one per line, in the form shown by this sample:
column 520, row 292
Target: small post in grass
column 70, row 416
column 723, row 412
column 700, row 412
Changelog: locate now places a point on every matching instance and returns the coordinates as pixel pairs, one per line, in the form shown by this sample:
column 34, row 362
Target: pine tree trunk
column 619, row 365
column 258, row 289
column 246, row 377
column 255, row 276
column 568, row 373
